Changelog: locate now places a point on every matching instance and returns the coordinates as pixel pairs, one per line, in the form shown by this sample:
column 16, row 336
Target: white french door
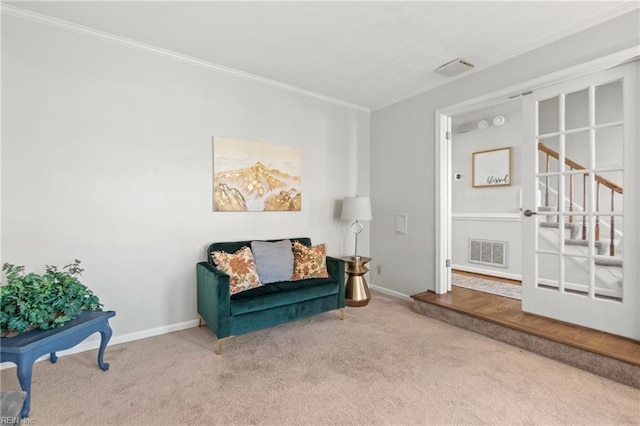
column 581, row 201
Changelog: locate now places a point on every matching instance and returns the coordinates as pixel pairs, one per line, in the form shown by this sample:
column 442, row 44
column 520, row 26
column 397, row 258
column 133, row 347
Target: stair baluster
column 612, row 244
column 599, row 181
column 597, row 236
column 571, row 197
column 584, row 203
column 546, row 182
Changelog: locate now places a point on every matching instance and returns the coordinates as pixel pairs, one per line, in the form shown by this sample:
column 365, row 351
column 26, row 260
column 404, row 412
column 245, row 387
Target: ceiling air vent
column 455, row 67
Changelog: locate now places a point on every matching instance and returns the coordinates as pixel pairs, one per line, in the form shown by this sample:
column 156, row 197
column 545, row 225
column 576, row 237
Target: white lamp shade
column 356, row 208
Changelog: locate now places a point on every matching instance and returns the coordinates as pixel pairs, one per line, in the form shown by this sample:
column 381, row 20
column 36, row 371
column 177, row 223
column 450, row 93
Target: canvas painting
column 251, row 176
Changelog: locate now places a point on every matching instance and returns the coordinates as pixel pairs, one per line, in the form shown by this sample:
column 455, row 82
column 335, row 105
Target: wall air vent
column 485, row 252
column 455, row 67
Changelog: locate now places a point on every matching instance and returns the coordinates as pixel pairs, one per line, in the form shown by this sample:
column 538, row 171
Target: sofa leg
column 219, row 344
column 341, row 313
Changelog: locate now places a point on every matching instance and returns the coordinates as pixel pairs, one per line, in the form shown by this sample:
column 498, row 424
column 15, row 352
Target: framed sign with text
column 492, row 168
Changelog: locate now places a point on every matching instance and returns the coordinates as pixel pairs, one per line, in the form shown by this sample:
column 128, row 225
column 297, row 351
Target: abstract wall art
column 252, row 176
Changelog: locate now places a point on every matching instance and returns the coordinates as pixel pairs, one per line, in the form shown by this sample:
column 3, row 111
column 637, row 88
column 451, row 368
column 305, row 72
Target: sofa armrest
column 336, row 270
column 214, row 299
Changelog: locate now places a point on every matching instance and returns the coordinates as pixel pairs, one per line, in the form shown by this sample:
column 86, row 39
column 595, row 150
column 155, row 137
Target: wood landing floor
column 508, row 313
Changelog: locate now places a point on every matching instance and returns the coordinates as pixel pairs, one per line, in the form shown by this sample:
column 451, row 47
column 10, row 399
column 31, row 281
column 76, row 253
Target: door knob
column 528, row 213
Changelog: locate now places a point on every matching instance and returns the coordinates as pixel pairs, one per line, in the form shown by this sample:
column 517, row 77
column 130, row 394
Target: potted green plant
column 50, row 300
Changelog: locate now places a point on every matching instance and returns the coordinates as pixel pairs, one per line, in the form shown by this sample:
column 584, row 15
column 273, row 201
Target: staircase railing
column 613, row 187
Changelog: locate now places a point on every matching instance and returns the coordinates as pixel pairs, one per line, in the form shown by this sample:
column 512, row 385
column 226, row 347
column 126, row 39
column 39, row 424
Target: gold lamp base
column 356, row 289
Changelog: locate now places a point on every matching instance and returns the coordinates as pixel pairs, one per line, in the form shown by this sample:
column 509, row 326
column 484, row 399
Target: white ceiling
column 369, row 54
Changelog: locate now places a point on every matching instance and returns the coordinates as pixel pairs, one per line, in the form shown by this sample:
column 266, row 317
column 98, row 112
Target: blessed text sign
column 492, row 168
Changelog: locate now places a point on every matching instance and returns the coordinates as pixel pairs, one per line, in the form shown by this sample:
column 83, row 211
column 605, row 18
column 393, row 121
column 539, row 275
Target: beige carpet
column 384, row 364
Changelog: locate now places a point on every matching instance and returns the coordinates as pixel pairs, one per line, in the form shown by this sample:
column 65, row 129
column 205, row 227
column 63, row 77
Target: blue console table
column 25, row 349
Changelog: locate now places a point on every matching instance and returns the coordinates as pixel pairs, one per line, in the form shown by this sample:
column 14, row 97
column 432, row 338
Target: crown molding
column 586, row 24
column 133, row 44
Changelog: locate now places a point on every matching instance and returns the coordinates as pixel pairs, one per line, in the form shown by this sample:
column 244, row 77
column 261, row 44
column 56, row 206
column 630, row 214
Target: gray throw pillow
column 274, row 261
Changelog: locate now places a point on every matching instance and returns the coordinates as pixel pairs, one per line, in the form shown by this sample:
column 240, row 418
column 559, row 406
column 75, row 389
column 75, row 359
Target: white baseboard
column 390, row 292
column 154, row 332
column 493, row 272
column 93, row 341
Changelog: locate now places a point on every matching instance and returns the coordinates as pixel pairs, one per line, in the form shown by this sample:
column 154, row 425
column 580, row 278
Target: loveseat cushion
column 309, row 262
column 240, row 267
column 281, row 293
column 232, row 247
column 274, row 260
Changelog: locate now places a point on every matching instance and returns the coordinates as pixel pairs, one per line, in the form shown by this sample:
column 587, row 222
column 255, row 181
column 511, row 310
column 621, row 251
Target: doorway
column 446, row 174
column 485, row 204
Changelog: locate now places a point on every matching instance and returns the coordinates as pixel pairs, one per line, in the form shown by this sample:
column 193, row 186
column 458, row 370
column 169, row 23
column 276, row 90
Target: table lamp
column 356, row 209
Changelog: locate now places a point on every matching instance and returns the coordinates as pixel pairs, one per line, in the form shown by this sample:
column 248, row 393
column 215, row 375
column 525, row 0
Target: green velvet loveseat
column 268, row 305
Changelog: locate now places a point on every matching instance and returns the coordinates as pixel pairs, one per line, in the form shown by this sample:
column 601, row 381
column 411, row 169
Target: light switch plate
column 401, row 224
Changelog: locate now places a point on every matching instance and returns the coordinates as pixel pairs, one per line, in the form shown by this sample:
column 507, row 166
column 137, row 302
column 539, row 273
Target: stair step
column 602, row 354
column 609, row 261
column 573, row 227
column 601, row 246
column 549, row 209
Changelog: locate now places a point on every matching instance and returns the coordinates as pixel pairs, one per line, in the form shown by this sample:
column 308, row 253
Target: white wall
column 107, row 157
column 498, row 199
column 403, row 148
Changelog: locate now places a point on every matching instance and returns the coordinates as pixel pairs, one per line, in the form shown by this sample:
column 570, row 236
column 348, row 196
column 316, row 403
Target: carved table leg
column 105, row 334
column 25, row 368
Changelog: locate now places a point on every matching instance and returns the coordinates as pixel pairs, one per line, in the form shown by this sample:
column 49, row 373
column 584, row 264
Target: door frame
column 443, row 146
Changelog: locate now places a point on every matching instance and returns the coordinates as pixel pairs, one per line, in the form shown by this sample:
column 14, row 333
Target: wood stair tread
column 508, row 313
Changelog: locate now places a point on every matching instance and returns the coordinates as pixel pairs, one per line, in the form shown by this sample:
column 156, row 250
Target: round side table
column 356, row 289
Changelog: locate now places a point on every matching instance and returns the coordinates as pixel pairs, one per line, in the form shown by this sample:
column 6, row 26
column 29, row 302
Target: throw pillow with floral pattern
column 240, row 267
column 309, row 262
